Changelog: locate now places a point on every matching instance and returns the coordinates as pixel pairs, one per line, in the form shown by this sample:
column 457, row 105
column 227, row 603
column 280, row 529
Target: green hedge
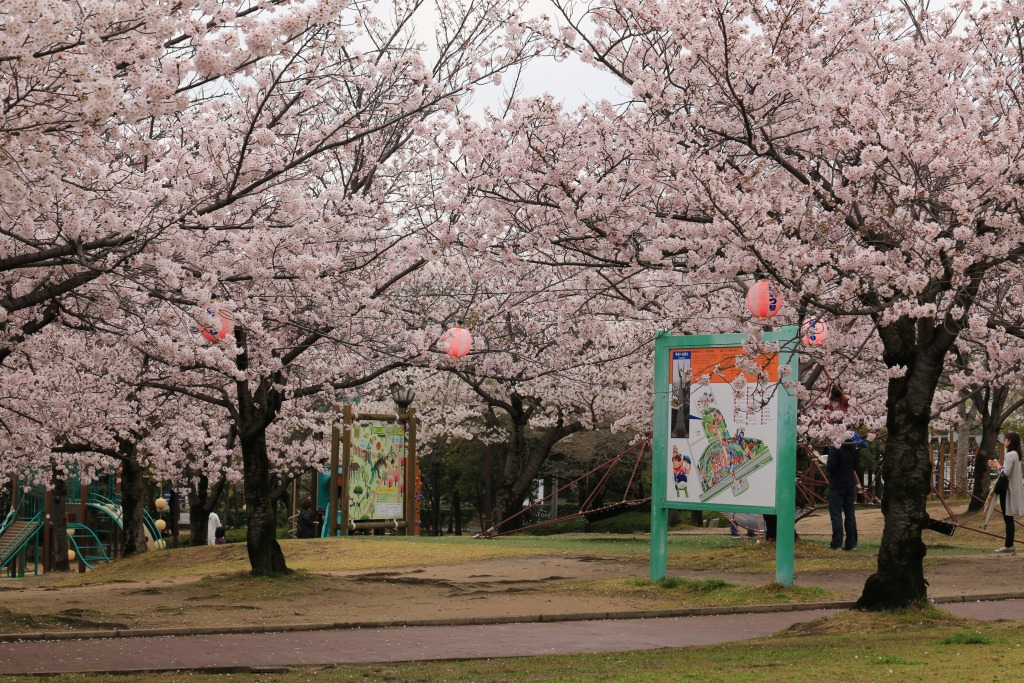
column 623, row 523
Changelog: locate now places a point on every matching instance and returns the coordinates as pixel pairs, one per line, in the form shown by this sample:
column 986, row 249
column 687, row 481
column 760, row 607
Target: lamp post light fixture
column 403, row 396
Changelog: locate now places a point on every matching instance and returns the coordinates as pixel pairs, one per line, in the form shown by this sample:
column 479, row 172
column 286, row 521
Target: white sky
column 569, row 81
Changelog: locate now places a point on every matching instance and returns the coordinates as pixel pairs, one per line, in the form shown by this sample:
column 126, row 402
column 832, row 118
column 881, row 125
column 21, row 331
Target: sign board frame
column 780, row 368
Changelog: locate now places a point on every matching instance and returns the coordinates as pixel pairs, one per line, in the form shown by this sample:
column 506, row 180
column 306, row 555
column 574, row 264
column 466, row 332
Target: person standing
column 842, row 483
column 305, row 525
column 211, row 529
column 1011, row 501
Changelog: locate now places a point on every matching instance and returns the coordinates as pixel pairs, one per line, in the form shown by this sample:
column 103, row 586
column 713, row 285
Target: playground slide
column 17, row 536
column 116, row 513
column 325, row 529
column 8, row 520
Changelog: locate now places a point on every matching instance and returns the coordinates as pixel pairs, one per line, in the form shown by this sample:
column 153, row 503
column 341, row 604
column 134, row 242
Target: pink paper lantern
column 215, row 324
column 456, row 342
column 764, row 300
column 814, row 332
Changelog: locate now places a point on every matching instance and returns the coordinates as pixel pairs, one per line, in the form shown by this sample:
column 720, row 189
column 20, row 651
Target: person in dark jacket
column 305, row 526
column 841, row 468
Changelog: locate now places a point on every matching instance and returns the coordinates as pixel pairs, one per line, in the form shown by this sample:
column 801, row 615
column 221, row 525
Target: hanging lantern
column 160, row 525
column 814, row 332
column 456, row 342
column 764, row 299
column 160, row 504
column 215, row 324
column 71, row 556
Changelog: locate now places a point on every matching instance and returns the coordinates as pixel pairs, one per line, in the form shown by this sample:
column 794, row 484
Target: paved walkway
column 243, row 652
column 255, row 650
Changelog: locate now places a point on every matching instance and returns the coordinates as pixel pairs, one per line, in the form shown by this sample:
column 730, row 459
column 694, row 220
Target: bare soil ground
column 489, row 587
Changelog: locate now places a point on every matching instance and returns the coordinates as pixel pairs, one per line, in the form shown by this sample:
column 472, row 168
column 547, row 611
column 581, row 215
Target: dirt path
column 523, row 586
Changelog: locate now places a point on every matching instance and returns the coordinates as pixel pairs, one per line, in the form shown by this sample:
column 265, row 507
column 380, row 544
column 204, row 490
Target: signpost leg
column 659, row 472
column 659, row 543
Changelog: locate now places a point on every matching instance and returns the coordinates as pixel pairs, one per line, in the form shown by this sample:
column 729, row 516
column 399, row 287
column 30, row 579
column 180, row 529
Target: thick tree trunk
column 133, row 503
column 906, row 469
column 59, row 524
column 255, row 412
column 265, row 555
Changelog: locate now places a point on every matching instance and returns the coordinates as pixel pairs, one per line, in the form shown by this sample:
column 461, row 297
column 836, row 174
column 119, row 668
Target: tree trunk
column 255, row 412
column 265, row 555
column 59, row 524
column 435, row 495
column 133, row 502
column 521, row 469
column 175, row 514
column 963, row 445
column 508, row 500
column 457, row 512
column 907, row 469
column 202, row 501
column 198, row 514
column 990, row 403
column 899, row 580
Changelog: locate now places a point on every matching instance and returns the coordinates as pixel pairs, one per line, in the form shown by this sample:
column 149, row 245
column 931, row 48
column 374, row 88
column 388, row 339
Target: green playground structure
column 94, row 526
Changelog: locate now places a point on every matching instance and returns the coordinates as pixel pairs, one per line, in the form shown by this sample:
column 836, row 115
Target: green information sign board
column 725, row 434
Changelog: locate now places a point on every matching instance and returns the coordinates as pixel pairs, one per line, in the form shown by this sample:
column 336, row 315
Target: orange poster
column 720, row 365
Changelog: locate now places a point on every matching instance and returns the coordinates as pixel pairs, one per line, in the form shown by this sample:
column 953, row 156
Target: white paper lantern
column 456, row 342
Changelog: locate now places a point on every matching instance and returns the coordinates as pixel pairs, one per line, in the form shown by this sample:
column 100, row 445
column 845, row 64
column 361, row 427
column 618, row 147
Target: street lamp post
column 403, row 397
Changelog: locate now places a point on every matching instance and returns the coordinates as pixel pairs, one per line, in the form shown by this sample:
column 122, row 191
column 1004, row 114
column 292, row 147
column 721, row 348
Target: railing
column 87, row 545
column 14, row 543
column 32, row 503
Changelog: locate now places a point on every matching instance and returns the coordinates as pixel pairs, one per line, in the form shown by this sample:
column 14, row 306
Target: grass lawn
column 357, row 553
column 911, row 645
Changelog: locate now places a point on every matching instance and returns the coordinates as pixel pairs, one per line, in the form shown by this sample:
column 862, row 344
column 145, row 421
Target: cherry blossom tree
column 325, row 168
column 280, row 157
column 91, row 171
column 552, row 354
column 863, row 156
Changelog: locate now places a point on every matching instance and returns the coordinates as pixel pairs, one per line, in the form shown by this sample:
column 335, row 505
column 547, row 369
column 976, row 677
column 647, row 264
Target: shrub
column 623, row 523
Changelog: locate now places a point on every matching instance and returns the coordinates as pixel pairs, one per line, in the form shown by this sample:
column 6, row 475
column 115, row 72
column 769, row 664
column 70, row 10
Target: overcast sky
column 569, row 81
